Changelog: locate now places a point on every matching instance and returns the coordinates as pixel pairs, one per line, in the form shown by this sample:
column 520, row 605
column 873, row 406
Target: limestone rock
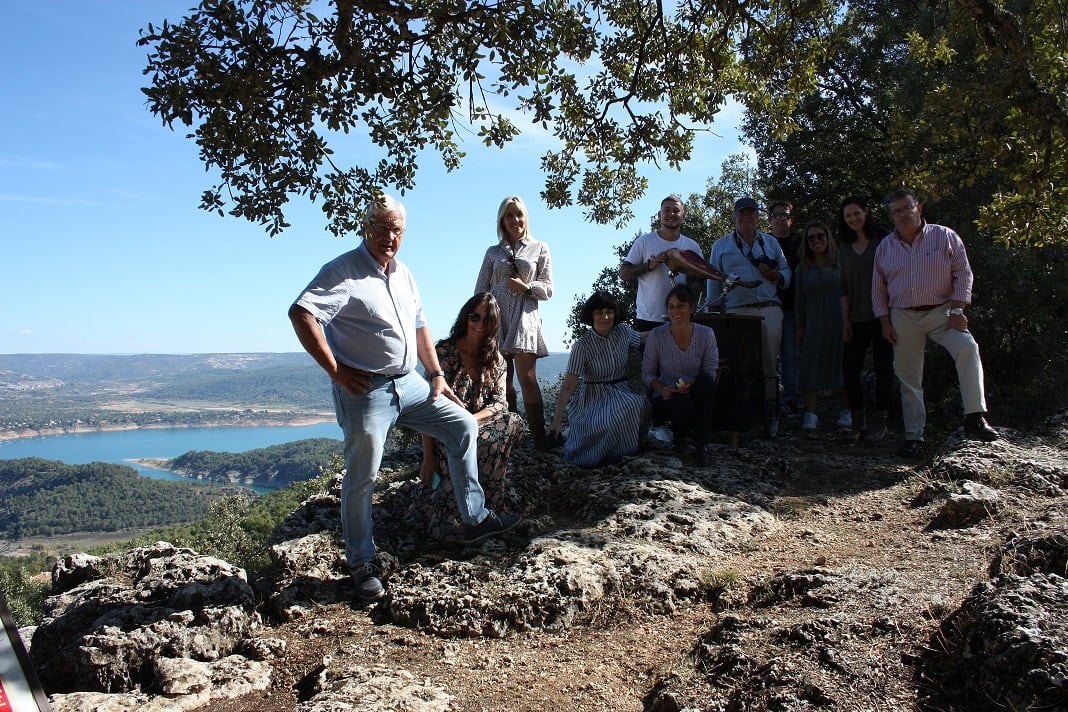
column 1041, row 552
column 1005, row 648
column 343, row 687
column 108, row 634
column 975, row 503
column 164, row 628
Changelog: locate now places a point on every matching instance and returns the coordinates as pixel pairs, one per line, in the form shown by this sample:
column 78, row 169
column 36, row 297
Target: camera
column 763, row 260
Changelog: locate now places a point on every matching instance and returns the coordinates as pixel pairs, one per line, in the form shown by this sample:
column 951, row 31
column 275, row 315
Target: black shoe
column 368, row 585
column 553, row 440
column 492, row 525
column 976, row 426
column 678, row 442
column 910, row 448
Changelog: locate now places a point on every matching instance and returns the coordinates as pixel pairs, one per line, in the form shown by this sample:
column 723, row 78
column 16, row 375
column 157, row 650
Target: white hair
column 386, row 204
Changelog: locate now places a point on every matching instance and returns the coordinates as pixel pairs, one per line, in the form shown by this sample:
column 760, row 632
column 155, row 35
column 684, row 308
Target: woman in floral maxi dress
column 476, row 371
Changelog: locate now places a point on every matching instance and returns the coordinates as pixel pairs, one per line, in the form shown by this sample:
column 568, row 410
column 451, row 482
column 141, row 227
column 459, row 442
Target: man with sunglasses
column 920, row 286
column 361, row 319
column 756, row 258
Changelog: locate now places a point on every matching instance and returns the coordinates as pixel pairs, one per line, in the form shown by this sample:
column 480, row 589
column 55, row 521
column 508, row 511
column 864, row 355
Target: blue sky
column 103, row 249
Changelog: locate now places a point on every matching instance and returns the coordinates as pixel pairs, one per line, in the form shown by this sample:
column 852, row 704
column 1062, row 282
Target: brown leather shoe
column 976, row 426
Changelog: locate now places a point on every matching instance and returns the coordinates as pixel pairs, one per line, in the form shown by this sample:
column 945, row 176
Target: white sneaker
column 809, row 421
column 663, row 434
column 845, row 419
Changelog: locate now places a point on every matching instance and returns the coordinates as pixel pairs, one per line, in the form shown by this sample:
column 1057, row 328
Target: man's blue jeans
column 366, row 420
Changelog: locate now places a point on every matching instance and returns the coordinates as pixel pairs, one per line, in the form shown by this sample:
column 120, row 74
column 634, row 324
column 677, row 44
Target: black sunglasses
column 474, row 317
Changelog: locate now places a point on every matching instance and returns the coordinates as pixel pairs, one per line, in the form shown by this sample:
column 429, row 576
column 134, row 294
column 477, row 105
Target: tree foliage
column 238, row 529
column 24, row 590
column 47, row 498
column 274, row 466
column 965, row 102
column 953, row 98
column 270, row 90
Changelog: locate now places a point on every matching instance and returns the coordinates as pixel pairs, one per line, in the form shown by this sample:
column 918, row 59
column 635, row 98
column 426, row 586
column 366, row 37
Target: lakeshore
column 148, row 449
column 306, row 419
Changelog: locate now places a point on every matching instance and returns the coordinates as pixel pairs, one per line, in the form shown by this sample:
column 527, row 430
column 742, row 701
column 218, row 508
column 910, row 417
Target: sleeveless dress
column 818, row 310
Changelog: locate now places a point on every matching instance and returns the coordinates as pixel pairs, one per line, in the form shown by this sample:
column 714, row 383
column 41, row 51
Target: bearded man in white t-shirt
column 647, row 262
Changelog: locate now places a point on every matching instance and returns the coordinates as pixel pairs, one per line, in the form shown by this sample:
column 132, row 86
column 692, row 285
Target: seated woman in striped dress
column 603, row 411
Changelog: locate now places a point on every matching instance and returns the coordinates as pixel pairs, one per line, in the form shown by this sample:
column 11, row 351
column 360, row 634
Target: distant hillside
column 253, row 378
column 47, row 498
column 275, row 466
column 63, row 391
column 43, row 393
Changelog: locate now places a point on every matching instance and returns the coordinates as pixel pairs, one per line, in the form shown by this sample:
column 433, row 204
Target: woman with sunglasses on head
column 475, row 371
column 860, row 328
column 604, row 412
column 518, row 272
column 818, row 311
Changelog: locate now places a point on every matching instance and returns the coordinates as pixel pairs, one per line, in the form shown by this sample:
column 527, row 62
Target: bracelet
column 955, row 311
column 435, row 374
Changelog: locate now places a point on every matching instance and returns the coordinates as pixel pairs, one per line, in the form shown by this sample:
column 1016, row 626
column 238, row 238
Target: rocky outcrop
column 340, row 686
column 157, row 620
column 1005, row 648
column 644, row 530
column 166, row 628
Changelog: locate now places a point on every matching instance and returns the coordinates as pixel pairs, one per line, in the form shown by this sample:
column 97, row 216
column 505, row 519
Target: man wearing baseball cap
column 756, row 258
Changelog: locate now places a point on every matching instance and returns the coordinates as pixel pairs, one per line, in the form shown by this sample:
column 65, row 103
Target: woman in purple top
column 679, row 369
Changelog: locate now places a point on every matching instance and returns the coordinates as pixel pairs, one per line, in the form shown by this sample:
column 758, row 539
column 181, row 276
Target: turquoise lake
column 122, row 446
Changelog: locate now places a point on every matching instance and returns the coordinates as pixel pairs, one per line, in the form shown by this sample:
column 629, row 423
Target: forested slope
column 46, row 498
column 275, row 466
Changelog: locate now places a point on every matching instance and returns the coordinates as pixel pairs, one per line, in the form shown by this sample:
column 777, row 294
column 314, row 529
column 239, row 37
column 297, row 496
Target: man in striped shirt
column 921, row 284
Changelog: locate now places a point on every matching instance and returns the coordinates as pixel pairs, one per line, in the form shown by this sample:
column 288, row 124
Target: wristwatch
column 435, row 374
column 955, row 311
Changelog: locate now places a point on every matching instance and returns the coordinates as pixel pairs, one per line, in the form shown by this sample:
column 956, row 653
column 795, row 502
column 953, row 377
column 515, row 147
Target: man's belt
column 923, row 308
column 758, row 305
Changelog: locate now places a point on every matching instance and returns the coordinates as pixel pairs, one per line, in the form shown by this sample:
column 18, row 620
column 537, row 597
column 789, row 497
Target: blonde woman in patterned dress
column 518, row 272
column 475, row 371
